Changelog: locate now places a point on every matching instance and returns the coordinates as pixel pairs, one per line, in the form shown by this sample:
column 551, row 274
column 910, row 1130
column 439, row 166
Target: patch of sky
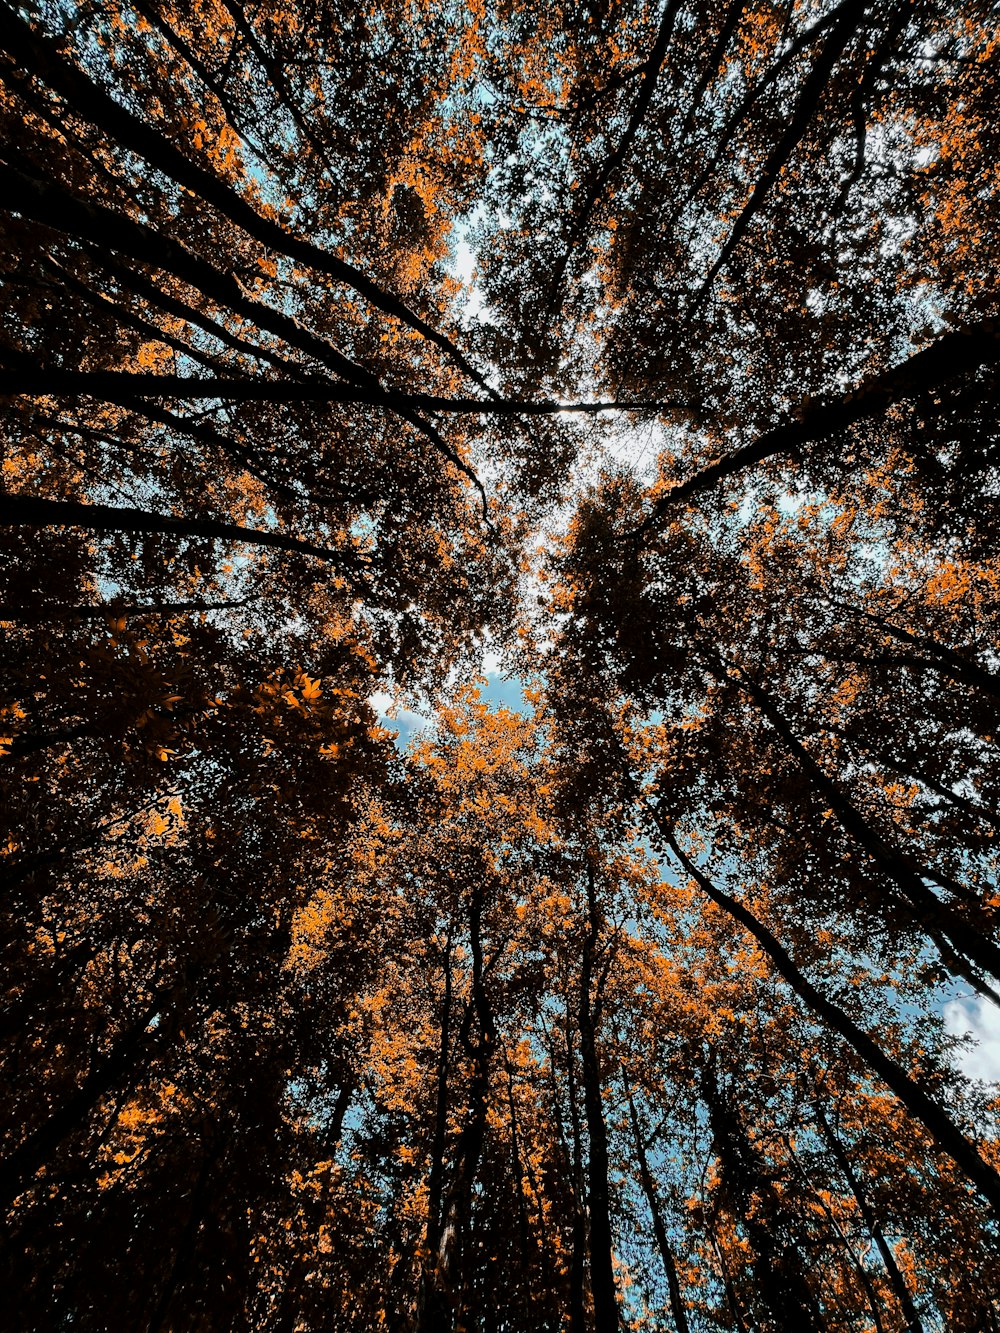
column 503, row 689
column 463, row 265
column 636, row 448
column 791, row 502
column 975, row 1020
column 363, row 526
column 407, row 720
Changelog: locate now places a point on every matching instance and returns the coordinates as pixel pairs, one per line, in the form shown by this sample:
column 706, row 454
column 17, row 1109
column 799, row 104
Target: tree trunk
column 927, row 909
column 117, row 1071
column 923, row 1108
column 602, row 1277
column 659, row 1229
column 781, row 1282
column 432, row 1307
column 36, row 512
column 896, row 1279
column 578, row 1262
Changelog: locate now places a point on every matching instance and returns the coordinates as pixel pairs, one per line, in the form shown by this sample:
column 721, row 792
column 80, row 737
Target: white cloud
column 978, row 1018
column 403, row 722
column 464, row 262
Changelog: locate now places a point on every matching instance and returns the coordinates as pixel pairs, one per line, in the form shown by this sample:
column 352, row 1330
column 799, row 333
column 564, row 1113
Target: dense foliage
column 652, row 350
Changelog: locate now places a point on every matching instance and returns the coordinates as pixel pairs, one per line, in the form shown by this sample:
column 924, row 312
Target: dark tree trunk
column 602, row 1278
column 781, row 1284
column 432, row 1306
column 659, row 1228
column 578, row 1262
column 927, row 909
column 115, row 1072
column 896, row 1279
column 36, row 512
column 918, row 1103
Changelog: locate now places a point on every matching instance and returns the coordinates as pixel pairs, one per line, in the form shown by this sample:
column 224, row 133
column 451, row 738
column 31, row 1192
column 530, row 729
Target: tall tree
column 652, row 350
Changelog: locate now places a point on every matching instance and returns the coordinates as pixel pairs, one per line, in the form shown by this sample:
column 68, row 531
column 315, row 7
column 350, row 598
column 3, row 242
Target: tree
column 618, row 1009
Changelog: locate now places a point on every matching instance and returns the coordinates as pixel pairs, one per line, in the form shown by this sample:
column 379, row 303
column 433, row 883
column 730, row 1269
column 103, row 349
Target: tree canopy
column 651, row 352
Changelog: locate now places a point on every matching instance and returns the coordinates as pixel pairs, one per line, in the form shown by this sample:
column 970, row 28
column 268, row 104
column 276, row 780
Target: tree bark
column 578, row 1261
column 431, row 1312
column 602, row 1278
column 39, row 55
column 659, row 1229
column 927, row 909
column 125, row 386
column 781, row 1284
column 952, row 355
column 116, row 1071
column 896, row 1279
column 36, row 512
column 922, row 1107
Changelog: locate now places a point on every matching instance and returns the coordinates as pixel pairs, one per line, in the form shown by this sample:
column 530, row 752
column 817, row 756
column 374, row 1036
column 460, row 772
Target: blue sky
column 495, row 687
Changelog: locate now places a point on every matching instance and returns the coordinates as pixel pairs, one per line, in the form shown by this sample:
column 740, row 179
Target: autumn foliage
column 649, row 351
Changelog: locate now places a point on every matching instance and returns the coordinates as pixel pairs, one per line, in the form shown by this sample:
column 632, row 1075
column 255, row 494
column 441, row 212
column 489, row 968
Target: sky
column 979, row 1018
column 497, row 689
